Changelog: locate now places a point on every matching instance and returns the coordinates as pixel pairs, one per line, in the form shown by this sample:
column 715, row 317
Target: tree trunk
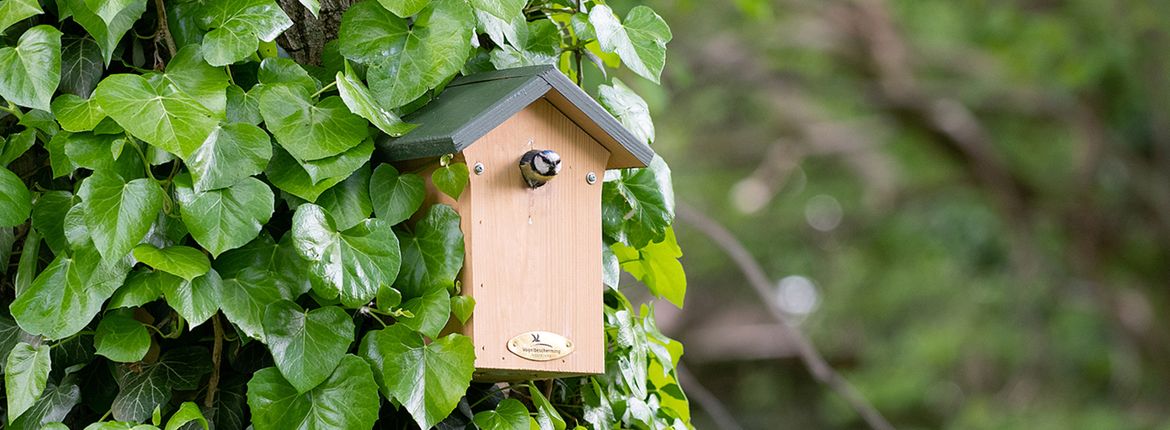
column 305, row 41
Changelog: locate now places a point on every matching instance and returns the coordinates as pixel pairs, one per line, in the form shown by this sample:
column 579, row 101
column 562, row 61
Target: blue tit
column 539, row 166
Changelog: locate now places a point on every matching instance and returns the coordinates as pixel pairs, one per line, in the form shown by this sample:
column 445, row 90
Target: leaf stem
column 12, row 109
column 322, row 90
column 216, row 352
column 142, row 155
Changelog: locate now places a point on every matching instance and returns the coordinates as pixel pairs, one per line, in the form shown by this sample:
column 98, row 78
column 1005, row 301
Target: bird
column 539, row 166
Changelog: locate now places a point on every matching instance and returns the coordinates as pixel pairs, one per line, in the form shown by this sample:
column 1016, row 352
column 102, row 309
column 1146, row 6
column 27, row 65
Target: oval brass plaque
column 540, row 346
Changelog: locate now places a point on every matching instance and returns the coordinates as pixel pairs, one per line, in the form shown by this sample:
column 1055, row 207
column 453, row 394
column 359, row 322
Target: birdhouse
column 538, row 147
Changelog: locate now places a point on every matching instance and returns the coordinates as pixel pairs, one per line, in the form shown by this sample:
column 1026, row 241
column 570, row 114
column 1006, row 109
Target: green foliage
column 427, row 379
column 31, row 71
column 202, row 235
column 25, row 374
column 510, row 414
column 120, row 338
column 451, row 179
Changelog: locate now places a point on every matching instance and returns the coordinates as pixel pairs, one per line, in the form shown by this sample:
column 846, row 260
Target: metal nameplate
column 540, row 346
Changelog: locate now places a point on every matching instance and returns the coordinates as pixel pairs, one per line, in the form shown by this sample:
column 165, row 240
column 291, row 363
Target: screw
column 591, row 178
column 479, row 168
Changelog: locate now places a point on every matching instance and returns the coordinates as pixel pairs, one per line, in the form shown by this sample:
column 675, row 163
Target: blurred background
column 964, row 205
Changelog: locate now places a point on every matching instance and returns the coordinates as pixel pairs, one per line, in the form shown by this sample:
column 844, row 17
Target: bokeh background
column 965, row 206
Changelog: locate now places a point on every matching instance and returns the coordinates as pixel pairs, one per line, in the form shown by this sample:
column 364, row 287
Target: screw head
column 478, row 168
column 591, row 178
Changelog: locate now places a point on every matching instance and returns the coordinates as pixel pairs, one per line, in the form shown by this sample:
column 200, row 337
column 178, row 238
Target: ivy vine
column 196, row 234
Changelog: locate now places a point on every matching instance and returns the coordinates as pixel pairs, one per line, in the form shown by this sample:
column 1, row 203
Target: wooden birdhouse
column 533, row 247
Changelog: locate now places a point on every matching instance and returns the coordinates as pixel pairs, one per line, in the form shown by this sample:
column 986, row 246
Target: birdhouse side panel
column 534, row 255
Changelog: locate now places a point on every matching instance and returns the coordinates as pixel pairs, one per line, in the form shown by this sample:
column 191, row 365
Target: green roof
column 473, row 105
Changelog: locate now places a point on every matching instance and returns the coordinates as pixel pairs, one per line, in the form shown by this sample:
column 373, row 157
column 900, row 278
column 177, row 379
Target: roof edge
column 596, row 113
column 498, row 113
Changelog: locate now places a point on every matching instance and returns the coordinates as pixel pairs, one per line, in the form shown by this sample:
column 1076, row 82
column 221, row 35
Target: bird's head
column 547, row 163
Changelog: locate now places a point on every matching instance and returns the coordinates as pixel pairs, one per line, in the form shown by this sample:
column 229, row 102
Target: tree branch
column 164, row 30
column 216, row 357
column 812, row 359
column 711, row 404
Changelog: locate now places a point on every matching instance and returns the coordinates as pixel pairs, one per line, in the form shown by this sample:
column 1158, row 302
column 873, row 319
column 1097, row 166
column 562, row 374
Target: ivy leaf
column 307, row 130
column 231, row 152
column 226, row 218
column 15, row 200
column 359, row 100
column 314, row 6
column 54, row 404
column 540, row 43
column 17, row 145
column 67, row 294
column 503, row 9
column 141, row 287
column 427, row 379
column 640, row 41
column 95, row 152
column 510, row 414
column 188, row 412
column 352, row 263
column 26, row 373
column 30, row 72
column 255, row 276
column 243, row 107
column 404, row 8
column 76, row 233
column 278, row 70
column 433, row 51
column 107, row 10
column 81, row 65
column 432, row 255
column 107, row 32
column 170, row 121
column 142, row 388
column 238, row 26
column 347, row 399
column 290, row 176
column 189, row 75
column 451, row 179
column 546, row 415
column 657, row 266
column 339, row 167
column 462, row 307
column 628, row 108
column 597, row 408
column 500, row 31
column 638, row 205
column 182, row 261
column 10, row 335
column 387, row 299
column 306, row 345
column 611, row 271
column 119, row 213
column 396, row 196
column 77, row 114
column 121, row 338
column 349, row 202
column 14, row 11
column 195, row 300
column 369, row 32
column 430, row 312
